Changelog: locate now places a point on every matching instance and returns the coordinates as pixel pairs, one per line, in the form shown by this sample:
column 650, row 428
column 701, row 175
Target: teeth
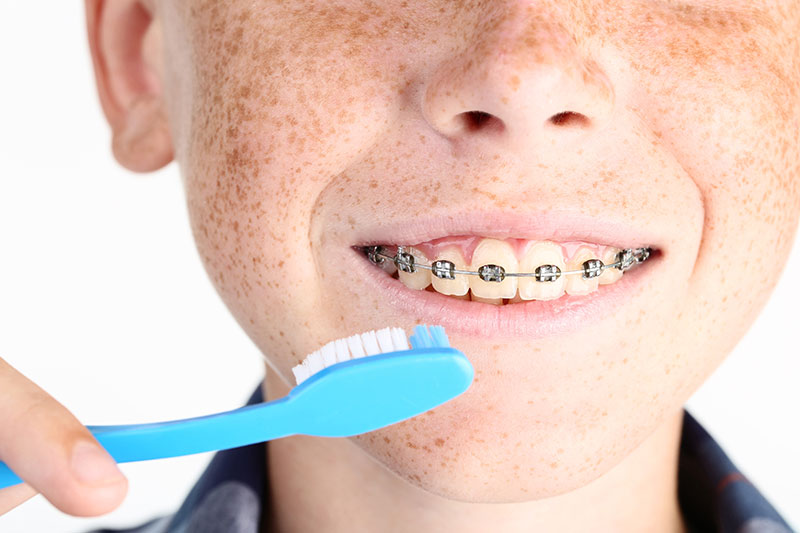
column 493, row 301
column 609, row 275
column 492, row 259
column 452, row 287
column 421, row 278
column 575, row 282
column 537, row 254
column 494, row 252
column 388, row 266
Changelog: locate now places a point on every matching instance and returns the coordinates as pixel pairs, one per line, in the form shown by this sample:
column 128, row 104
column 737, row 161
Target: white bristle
column 342, row 353
column 385, row 340
column 315, row 363
column 298, row 372
column 373, row 342
column 370, row 341
column 356, row 347
column 328, row 354
column 399, row 339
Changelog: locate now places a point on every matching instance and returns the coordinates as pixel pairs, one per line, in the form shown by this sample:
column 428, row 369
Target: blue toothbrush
column 348, row 387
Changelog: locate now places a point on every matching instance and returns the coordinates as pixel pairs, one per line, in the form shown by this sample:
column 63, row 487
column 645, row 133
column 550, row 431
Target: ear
column 125, row 44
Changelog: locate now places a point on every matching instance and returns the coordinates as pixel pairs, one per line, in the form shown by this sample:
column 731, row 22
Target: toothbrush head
column 373, row 380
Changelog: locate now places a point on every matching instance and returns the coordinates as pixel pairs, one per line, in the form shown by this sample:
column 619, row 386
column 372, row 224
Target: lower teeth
column 471, row 297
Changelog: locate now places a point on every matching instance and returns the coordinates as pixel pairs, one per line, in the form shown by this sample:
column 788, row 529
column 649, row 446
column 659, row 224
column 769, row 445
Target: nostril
column 567, row 117
column 475, row 120
column 477, row 117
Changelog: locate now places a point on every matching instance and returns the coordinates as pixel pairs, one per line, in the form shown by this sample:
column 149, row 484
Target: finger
column 46, row 446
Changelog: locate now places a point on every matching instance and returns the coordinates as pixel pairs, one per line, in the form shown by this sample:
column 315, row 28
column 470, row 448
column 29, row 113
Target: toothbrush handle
column 140, row 442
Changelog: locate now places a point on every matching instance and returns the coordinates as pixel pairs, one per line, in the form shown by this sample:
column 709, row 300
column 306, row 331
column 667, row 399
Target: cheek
column 715, row 93
column 249, row 216
column 272, row 124
column 745, row 165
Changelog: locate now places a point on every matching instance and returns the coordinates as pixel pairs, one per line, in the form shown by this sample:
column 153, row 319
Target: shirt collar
column 713, row 493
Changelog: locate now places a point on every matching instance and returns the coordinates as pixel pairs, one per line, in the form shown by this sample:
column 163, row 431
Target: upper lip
column 611, row 229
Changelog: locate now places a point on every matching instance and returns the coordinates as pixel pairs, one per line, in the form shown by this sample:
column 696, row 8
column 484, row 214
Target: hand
column 53, row 453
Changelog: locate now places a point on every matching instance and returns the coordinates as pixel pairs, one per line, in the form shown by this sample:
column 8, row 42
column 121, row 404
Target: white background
column 104, row 302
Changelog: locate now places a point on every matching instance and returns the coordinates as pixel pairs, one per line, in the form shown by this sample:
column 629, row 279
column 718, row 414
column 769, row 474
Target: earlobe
column 125, row 45
column 142, row 142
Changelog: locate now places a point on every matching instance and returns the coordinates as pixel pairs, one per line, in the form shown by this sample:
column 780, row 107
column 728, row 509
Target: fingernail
column 93, row 465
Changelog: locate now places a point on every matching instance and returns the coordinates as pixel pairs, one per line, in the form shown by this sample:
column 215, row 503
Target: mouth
column 528, row 279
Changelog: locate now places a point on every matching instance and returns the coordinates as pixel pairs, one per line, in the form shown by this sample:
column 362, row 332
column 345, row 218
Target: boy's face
column 303, row 128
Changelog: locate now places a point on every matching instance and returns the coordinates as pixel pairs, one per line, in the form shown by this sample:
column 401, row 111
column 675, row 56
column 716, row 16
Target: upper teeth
column 407, row 263
column 538, row 275
column 547, row 258
column 449, row 262
column 496, row 258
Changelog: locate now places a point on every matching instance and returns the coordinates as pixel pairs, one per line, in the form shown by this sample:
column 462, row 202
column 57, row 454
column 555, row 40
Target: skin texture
column 297, row 123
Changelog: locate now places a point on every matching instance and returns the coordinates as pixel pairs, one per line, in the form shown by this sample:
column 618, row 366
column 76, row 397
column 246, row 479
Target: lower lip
column 533, row 319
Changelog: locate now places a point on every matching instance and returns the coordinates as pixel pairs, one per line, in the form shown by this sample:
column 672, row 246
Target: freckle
column 387, row 440
column 439, row 442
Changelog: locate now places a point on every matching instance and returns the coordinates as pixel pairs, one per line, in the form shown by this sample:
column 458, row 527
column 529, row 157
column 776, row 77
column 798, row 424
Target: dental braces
column 443, row 269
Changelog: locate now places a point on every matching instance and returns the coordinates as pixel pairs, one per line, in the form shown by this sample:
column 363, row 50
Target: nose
column 522, row 79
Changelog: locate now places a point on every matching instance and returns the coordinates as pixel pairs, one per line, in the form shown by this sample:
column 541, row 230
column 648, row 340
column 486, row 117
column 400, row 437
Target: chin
column 489, row 460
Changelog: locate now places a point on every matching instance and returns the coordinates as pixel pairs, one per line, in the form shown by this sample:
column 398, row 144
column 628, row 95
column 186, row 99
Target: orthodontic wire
column 625, row 259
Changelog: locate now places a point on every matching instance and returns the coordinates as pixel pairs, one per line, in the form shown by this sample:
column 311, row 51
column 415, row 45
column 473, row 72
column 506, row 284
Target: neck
column 331, row 485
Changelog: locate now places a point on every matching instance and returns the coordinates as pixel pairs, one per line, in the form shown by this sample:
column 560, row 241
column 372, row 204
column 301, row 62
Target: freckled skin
column 296, row 123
